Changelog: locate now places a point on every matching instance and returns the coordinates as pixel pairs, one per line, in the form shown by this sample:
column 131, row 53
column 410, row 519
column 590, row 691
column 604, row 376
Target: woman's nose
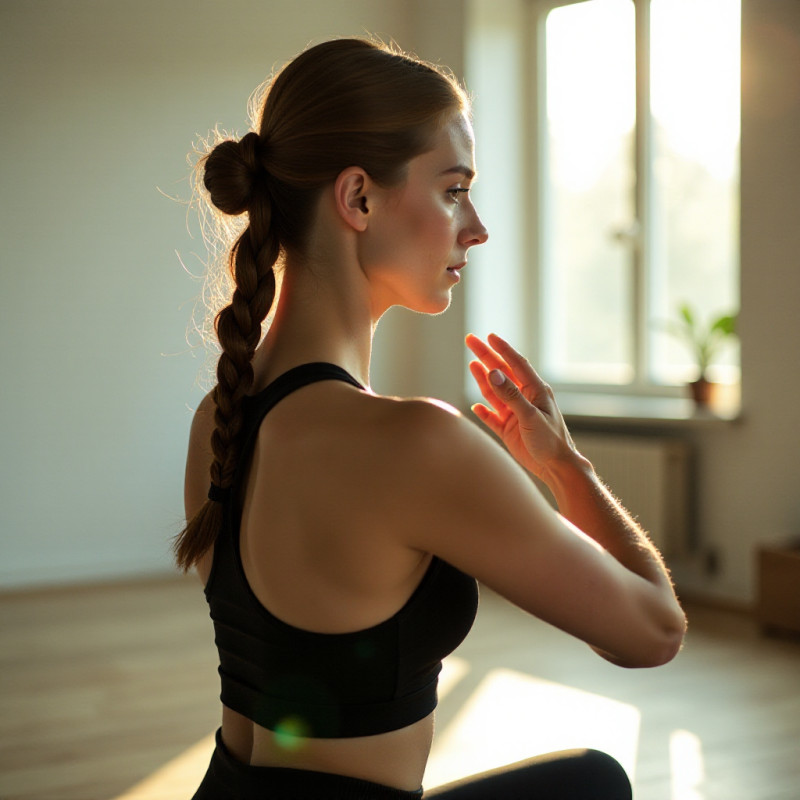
column 475, row 232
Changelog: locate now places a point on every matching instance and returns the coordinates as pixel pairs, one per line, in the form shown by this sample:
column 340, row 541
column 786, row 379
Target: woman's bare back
column 319, row 553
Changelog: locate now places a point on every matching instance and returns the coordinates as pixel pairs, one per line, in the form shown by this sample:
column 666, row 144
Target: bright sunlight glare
column 686, row 761
column 590, row 86
column 695, row 68
column 511, row 716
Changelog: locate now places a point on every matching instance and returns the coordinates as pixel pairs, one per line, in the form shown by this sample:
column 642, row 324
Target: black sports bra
column 329, row 685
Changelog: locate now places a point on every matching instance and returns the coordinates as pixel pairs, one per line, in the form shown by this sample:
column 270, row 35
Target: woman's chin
column 433, row 305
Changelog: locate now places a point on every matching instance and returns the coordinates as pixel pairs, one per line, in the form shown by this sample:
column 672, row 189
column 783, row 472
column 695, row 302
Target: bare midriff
column 396, row 758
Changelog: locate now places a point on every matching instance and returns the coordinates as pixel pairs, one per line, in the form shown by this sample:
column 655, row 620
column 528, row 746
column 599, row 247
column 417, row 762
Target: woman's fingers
column 525, row 374
column 499, row 354
column 494, row 413
column 488, row 418
column 522, row 388
column 481, row 377
column 519, row 406
column 487, row 356
column 496, row 377
column 510, row 395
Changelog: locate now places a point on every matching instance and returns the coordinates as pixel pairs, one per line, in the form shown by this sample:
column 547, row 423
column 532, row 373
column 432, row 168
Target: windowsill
column 637, row 411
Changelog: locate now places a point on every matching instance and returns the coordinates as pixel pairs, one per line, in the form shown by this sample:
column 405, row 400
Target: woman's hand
column 522, row 411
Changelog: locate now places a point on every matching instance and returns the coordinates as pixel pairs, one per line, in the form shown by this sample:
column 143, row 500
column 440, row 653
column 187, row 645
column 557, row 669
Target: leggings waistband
column 229, row 778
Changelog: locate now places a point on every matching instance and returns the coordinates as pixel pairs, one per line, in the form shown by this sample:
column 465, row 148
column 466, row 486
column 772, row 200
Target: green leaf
column 688, row 316
column 704, row 341
column 725, row 325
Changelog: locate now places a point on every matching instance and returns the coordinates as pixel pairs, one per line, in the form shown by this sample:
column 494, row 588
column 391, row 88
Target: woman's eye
column 455, row 193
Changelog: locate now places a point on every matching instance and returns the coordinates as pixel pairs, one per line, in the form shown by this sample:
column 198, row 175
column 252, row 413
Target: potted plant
column 704, row 342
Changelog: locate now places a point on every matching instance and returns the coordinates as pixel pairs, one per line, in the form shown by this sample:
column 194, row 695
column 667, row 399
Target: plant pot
column 702, row 392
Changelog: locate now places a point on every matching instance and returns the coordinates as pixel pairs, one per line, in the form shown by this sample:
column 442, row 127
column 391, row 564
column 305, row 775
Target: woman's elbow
column 660, row 653
column 651, row 649
column 663, row 636
column 671, row 641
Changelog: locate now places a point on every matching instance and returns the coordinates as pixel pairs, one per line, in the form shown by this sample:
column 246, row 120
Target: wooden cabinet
column 779, row 589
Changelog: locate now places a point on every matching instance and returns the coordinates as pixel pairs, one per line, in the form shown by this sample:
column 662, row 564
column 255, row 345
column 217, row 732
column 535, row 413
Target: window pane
column 695, row 68
column 587, row 274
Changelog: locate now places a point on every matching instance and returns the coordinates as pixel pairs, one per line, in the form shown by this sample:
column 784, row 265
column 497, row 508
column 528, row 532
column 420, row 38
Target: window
column 631, row 143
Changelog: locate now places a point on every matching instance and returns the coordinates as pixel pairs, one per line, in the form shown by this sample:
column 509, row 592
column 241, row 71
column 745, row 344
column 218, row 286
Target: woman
column 339, row 534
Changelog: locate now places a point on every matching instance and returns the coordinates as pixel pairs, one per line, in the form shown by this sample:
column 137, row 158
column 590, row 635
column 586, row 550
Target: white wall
column 101, row 100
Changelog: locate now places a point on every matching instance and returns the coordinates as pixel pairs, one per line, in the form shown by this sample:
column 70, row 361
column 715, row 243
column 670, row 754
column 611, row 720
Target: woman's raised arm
column 589, row 570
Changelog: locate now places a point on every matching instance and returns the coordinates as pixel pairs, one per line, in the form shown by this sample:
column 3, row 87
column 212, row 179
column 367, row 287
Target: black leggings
column 568, row 775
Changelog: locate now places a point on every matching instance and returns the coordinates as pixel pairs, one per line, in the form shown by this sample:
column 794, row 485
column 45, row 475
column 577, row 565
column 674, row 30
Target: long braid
column 238, row 325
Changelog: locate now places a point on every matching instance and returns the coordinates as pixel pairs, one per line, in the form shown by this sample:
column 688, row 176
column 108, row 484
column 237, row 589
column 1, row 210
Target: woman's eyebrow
column 468, row 173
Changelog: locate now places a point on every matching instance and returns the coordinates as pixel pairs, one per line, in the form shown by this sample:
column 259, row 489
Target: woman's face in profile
column 417, row 241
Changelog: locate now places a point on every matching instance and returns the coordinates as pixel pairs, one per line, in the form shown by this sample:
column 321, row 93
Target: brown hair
column 346, row 102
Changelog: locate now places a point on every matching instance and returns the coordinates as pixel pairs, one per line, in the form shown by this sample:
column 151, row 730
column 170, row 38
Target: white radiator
column 651, row 476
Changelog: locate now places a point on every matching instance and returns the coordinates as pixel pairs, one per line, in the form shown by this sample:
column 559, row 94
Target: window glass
column 586, row 277
column 626, row 206
column 695, row 108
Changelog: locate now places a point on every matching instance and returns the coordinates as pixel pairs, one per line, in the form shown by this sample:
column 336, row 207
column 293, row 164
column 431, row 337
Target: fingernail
column 497, row 377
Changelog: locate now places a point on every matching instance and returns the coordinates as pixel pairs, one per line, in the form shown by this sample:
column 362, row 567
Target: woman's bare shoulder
column 411, row 415
column 421, row 446
column 421, row 429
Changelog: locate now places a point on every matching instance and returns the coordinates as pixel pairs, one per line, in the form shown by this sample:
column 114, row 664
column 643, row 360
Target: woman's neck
column 317, row 319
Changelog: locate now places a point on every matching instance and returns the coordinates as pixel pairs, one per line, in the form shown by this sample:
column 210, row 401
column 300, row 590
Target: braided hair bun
column 234, row 174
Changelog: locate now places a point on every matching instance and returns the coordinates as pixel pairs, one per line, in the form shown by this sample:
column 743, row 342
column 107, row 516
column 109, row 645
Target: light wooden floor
column 109, row 693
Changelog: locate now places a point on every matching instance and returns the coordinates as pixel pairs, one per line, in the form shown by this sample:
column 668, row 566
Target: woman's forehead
column 453, row 150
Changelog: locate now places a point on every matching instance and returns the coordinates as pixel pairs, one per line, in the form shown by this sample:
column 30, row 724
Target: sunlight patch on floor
column 453, row 670
column 687, row 765
column 176, row 776
column 512, row 716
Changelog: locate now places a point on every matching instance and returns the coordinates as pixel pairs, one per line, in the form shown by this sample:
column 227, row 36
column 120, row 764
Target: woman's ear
column 352, row 192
